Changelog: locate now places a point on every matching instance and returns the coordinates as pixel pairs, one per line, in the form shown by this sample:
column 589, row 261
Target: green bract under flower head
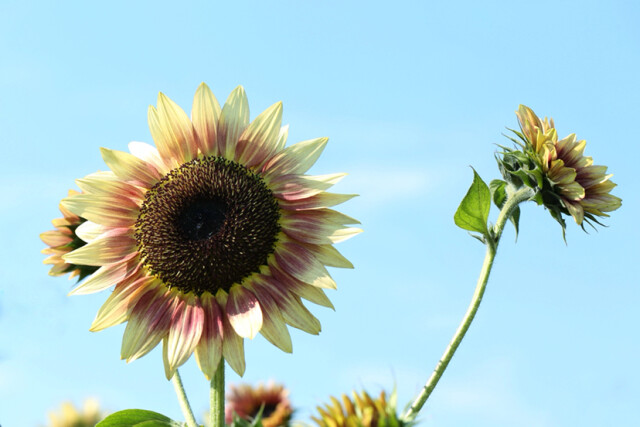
column 566, row 182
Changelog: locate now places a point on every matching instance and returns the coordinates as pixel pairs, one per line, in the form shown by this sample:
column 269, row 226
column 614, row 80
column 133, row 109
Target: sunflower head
column 270, row 401
column 69, row 416
column 211, row 236
column 63, row 240
column 565, row 181
column 359, row 411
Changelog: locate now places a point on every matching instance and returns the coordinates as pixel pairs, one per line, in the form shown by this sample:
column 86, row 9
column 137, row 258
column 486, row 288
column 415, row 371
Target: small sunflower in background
column 211, row 236
column 566, row 181
column 271, row 401
column 69, row 416
column 359, row 411
column 63, row 240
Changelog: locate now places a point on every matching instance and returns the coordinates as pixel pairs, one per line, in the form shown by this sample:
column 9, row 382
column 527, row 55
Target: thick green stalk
column 182, row 398
column 216, row 414
column 492, row 246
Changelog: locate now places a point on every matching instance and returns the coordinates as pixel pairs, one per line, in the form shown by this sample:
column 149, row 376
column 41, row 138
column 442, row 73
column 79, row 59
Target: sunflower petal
column 259, row 140
column 296, row 159
column 299, row 262
column 112, row 211
column 233, row 344
column 209, row 349
column 184, row 333
column 274, row 328
column 89, row 231
column 107, row 276
column 130, row 168
column 117, row 307
column 295, row 187
column 109, row 248
column 243, row 310
column 234, row 119
column 205, row 114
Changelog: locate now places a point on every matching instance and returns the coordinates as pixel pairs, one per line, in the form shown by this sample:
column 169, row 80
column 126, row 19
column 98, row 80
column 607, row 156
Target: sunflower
column 270, row 400
column 63, row 240
column 212, row 236
column 567, row 181
column 361, row 411
column 69, row 416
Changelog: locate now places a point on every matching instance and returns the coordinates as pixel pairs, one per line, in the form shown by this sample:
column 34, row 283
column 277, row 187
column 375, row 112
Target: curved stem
column 184, row 402
column 492, row 246
column 216, row 414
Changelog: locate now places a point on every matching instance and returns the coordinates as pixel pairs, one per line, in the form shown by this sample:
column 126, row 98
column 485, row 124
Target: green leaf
column 473, row 212
column 138, row 418
column 498, row 192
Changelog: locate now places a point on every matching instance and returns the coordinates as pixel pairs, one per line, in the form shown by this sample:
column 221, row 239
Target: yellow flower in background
column 69, row 416
column 246, row 402
column 580, row 187
column 63, row 240
column 359, row 411
column 212, row 236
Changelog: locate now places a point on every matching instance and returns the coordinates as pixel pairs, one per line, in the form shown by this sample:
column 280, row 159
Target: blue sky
column 410, row 94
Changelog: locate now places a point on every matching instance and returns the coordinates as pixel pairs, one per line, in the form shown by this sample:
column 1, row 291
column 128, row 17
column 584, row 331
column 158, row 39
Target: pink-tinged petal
column 209, row 349
column 184, row 333
column 282, row 138
column 308, row 292
column 205, row 114
column 234, row 119
column 293, row 311
column 101, row 184
column 177, row 127
column 108, row 275
column 233, row 344
column 55, row 238
column 259, row 140
column 111, row 247
column 296, row 187
column 148, row 153
column 111, row 211
column 274, row 328
column 148, row 324
column 89, row 231
column 130, row 168
column 328, row 255
column 243, row 310
column 322, row 200
column 295, row 159
column 300, row 263
column 321, row 226
column 124, row 297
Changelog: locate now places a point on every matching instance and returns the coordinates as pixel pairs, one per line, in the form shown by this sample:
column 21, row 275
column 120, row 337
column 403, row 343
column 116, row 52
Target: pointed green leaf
column 473, row 212
column 138, row 418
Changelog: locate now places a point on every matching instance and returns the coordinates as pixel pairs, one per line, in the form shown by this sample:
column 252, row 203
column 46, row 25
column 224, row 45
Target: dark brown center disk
column 207, row 225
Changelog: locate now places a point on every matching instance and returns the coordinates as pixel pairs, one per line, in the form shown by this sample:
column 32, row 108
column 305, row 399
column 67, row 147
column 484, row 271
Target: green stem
column 184, row 402
column 492, row 240
column 217, row 397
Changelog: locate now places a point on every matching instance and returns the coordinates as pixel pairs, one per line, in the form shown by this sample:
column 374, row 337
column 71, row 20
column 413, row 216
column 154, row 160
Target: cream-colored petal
column 234, row 119
column 233, row 344
column 322, row 226
column 259, row 140
column 170, row 153
column 111, row 247
column 243, row 310
column 99, row 184
column 293, row 311
column 274, row 328
column 318, row 201
column 282, row 138
column 89, row 231
column 55, row 238
column 111, row 211
column 300, row 263
column 184, row 333
column 117, row 307
column 130, row 168
column 209, row 349
column 308, row 292
column 295, row 159
column 328, row 255
column 177, row 128
column 205, row 114
column 295, row 187
column 148, row 324
column 149, row 154
column 107, row 276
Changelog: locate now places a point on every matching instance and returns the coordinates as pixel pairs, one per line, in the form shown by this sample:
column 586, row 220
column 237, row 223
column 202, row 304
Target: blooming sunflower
column 361, row 411
column 69, row 416
column 63, row 240
column 247, row 402
column 212, row 236
column 567, row 181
